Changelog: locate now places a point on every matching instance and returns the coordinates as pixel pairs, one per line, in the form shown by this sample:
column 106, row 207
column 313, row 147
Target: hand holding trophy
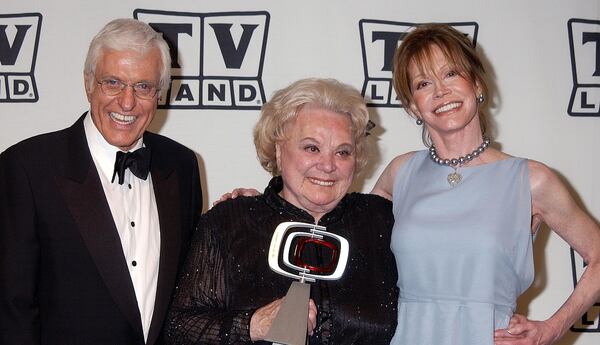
column 290, row 325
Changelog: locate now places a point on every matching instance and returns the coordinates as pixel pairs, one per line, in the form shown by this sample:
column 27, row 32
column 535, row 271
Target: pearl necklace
column 454, row 178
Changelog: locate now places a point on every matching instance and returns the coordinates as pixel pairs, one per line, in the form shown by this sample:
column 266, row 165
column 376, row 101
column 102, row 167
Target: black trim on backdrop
column 17, row 60
column 231, row 80
column 585, row 96
column 590, row 321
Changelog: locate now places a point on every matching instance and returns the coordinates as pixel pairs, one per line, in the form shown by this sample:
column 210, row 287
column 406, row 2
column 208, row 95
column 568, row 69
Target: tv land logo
column 379, row 39
column 217, row 58
column 584, row 43
column 19, row 38
column 590, row 321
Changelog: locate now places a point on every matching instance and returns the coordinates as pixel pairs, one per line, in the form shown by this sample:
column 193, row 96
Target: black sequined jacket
column 227, row 277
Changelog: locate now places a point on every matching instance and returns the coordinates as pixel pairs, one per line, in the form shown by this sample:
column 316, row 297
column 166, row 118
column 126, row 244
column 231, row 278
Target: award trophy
column 290, row 325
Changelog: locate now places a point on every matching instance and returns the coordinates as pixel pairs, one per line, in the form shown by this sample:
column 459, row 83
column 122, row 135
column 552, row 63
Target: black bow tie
column 137, row 161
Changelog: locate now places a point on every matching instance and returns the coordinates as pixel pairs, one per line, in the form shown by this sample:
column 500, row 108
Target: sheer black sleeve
column 199, row 313
column 227, row 277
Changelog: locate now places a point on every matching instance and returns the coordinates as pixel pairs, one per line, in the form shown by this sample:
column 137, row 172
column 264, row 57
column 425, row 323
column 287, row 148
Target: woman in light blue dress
column 465, row 213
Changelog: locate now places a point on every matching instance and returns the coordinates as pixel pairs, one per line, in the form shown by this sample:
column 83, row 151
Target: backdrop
column 543, row 57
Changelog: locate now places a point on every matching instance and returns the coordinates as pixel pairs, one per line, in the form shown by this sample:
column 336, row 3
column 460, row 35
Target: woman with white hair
column 312, row 138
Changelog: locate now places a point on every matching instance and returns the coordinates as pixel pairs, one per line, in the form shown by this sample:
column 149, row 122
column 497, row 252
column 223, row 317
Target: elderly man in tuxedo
column 95, row 218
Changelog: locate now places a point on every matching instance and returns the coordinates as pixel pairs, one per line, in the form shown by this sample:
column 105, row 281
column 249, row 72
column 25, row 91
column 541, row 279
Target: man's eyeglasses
column 113, row 87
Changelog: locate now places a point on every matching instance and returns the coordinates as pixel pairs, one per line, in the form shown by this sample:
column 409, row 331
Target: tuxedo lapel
column 166, row 190
column 83, row 193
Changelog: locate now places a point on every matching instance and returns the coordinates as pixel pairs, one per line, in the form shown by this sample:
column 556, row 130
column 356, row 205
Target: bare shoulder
column 540, row 175
column 553, row 204
column 398, row 161
column 550, row 196
column 385, row 183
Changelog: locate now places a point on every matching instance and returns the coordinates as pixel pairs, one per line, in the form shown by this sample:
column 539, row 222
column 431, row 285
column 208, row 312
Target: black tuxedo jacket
column 63, row 275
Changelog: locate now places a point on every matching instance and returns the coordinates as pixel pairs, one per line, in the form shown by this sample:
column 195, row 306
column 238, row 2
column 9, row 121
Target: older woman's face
column 443, row 99
column 317, row 160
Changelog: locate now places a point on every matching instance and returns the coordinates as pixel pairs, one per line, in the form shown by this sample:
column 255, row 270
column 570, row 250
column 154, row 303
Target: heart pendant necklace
column 454, row 178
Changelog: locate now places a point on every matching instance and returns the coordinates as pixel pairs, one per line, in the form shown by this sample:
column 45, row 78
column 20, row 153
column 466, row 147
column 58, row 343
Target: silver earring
column 480, row 98
column 419, row 121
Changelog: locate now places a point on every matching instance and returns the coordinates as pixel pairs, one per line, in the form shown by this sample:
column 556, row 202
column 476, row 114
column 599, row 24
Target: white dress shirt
column 133, row 207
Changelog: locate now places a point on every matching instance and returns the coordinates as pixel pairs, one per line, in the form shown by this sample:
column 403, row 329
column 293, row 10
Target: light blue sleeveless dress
column 463, row 253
